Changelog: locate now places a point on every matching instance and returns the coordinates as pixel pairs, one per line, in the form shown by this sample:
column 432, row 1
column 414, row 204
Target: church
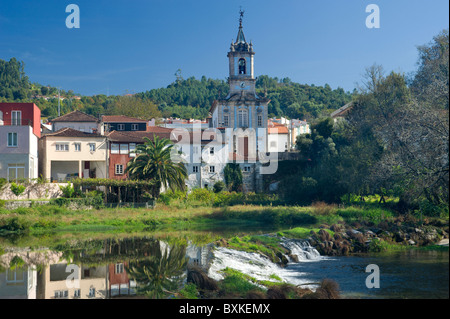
column 237, row 130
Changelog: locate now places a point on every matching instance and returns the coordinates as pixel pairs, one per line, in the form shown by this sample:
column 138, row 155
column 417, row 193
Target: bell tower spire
column 240, row 37
column 240, row 59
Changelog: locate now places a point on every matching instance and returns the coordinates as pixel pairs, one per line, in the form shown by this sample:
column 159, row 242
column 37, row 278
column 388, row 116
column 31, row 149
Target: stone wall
column 24, row 203
column 33, row 191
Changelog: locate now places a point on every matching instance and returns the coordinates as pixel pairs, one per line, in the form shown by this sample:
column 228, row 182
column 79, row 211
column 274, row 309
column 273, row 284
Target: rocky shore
column 344, row 239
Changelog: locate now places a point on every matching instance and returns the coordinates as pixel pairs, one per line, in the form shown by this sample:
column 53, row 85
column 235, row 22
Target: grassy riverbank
column 54, row 218
column 331, row 229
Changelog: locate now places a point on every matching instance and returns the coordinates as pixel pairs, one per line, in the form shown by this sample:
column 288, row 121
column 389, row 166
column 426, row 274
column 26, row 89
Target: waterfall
column 261, row 267
column 302, row 249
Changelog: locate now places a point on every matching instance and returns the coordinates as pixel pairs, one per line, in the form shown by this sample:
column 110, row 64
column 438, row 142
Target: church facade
column 238, row 126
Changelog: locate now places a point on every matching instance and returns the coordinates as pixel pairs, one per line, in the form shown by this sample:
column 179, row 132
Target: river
column 101, row 269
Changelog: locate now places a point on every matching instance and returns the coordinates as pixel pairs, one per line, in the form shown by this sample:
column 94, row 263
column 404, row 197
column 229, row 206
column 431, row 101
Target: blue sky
column 134, row 46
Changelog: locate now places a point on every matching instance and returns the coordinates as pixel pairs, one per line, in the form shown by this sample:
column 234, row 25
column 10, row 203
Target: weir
column 261, row 267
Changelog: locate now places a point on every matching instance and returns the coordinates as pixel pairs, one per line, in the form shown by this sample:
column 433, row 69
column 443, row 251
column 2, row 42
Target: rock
column 443, row 242
column 294, row 258
column 370, row 233
column 411, row 242
column 324, row 235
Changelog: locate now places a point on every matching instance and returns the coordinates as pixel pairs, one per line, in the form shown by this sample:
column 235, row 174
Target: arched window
column 242, row 66
column 242, row 118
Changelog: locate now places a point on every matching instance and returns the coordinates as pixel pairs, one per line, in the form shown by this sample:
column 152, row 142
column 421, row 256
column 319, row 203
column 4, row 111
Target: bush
column 202, row 195
column 14, row 224
column 218, row 186
column 17, row 189
column 68, row 191
column 432, row 210
column 3, row 182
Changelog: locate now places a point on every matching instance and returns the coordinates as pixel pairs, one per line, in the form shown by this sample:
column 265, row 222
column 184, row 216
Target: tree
column 431, row 81
column 413, row 134
column 233, row 177
column 135, row 106
column 157, row 160
column 161, row 274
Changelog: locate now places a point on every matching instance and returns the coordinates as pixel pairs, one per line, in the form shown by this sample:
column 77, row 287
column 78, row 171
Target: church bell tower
column 240, row 60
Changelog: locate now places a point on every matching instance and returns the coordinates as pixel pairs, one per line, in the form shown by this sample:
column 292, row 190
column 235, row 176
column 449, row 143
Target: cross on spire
column 241, row 15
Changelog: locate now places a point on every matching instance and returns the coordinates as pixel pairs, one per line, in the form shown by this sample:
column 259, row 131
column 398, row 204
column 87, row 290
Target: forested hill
column 193, row 98
column 184, row 98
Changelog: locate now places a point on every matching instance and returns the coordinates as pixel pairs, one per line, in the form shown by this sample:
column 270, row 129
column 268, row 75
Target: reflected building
column 18, row 283
column 120, row 284
column 71, row 281
column 47, row 274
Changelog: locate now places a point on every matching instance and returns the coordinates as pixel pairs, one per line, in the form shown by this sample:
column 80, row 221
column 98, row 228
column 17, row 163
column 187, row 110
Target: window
column 242, row 118
column 91, row 292
column 120, row 127
column 16, row 117
column 212, row 169
column 61, row 293
column 194, row 169
column 260, row 121
column 12, row 139
column 123, row 148
column 132, row 149
column 247, row 168
column 114, row 148
column 62, row 147
column 134, row 127
column 225, row 121
column 77, row 147
column 119, row 169
column 242, row 67
column 16, row 275
column 92, row 147
column 119, row 268
column 211, row 150
column 77, row 293
column 16, row 171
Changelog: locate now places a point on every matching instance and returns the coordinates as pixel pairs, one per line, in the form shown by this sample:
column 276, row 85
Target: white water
column 260, row 267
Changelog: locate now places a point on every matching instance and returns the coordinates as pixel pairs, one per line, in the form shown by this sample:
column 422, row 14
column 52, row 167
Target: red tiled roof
column 159, row 129
column 277, row 128
column 76, row 116
column 135, row 136
column 70, row 132
column 121, row 118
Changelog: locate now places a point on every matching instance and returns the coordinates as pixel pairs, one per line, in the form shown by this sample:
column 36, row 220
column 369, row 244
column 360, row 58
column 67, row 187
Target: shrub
column 3, row 182
column 68, row 191
column 202, row 195
column 321, row 208
column 218, row 186
column 189, row 291
column 17, row 189
column 14, row 224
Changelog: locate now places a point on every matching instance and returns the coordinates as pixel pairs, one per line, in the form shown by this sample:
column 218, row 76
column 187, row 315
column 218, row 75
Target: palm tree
column 162, row 273
column 157, row 161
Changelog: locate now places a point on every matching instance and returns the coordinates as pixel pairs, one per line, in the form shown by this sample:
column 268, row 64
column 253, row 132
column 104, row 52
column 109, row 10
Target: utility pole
column 59, row 103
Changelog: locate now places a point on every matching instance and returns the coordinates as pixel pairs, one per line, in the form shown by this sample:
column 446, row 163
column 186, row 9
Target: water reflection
column 98, row 269
column 148, row 267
